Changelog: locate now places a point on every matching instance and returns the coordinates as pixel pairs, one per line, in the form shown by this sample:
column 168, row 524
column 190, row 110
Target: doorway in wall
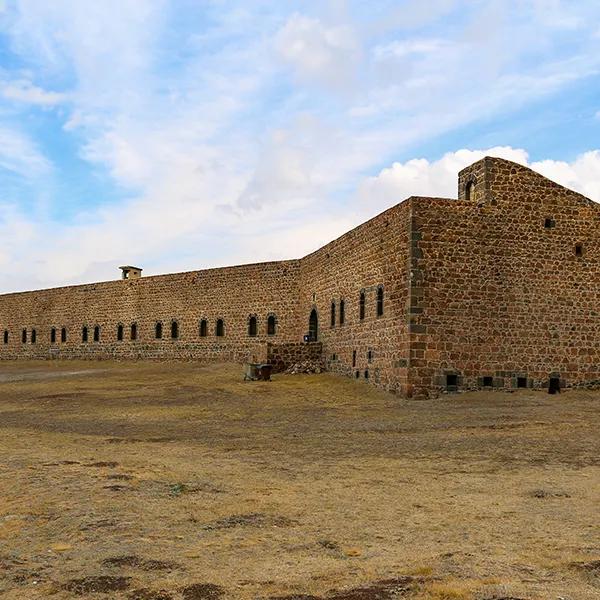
column 554, row 385
column 313, row 325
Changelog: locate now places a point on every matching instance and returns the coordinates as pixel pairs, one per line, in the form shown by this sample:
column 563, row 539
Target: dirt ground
column 176, row 481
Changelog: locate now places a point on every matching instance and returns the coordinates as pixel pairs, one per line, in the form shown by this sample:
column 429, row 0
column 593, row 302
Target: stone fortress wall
column 498, row 289
column 368, row 261
column 507, row 283
column 233, row 295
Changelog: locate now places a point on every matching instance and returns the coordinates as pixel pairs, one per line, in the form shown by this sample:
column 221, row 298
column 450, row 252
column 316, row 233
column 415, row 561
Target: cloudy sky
column 182, row 134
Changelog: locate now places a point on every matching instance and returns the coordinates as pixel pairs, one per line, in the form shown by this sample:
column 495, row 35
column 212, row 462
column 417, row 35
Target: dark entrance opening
column 452, row 382
column 313, row 326
column 554, row 385
column 521, row 382
column 488, row 382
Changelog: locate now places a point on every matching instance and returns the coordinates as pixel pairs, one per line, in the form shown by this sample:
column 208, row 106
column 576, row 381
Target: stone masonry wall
column 232, row 294
column 376, row 347
column 372, row 255
column 500, row 289
column 283, row 355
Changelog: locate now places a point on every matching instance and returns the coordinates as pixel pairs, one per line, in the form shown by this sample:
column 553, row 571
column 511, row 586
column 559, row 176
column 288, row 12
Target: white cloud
column 24, row 91
column 20, row 155
column 404, row 48
column 328, row 55
column 421, row 177
column 582, row 175
column 219, row 159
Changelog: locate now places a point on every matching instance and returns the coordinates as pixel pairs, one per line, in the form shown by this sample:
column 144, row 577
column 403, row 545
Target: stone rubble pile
column 305, row 366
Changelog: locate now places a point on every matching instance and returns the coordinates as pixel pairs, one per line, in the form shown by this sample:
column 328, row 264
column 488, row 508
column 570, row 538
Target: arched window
column 342, row 311
column 252, row 326
column 134, row 331
column 470, row 191
column 220, row 328
column 33, row 336
column 53, row 335
column 6, row 336
column 271, row 325
column 203, row 328
column 174, row 330
column 24, row 336
column 97, row 333
column 333, row 314
column 158, row 331
column 361, row 306
column 63, row 334
column 380, row 301
column 84, row 334
column 119, row 332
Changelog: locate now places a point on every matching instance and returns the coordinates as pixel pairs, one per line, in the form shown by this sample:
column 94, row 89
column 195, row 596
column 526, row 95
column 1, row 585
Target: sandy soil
column 178, row 481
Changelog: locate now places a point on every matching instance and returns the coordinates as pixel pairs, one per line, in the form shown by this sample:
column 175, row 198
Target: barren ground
column 178, row 481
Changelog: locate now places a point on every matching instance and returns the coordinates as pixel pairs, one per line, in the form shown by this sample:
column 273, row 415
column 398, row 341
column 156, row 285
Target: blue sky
column 185, row 134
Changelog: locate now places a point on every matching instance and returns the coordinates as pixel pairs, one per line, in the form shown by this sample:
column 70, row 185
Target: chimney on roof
column 129, row 272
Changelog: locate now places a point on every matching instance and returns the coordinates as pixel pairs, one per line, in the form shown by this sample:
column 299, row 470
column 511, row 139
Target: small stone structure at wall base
column 296, row 357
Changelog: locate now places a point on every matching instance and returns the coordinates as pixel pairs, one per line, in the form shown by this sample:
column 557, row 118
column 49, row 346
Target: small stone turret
column 129, row 272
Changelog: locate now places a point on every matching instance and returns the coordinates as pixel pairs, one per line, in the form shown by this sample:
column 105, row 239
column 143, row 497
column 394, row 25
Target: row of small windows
column 158, row 331
column 453, row 382
column 361, row 307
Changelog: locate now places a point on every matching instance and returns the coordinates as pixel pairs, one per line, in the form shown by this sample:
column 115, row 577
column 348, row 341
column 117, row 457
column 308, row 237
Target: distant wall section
column 231, row 295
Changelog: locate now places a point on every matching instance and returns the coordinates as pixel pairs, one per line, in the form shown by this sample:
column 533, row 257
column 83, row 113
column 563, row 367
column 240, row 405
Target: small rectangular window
column 354, row 358
column 549, row 223
column 24, row 336
column 521, row 382
column 33, row 336
column 63, row 334
column 579, row 250
column 451, row 382
column 380, row 301
column 488, row 381
column 133, row 331
column 53, row 336
column 6, row 336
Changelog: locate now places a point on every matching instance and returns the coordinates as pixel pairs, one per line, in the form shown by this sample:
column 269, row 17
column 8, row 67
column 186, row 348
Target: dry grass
column 177, row 481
